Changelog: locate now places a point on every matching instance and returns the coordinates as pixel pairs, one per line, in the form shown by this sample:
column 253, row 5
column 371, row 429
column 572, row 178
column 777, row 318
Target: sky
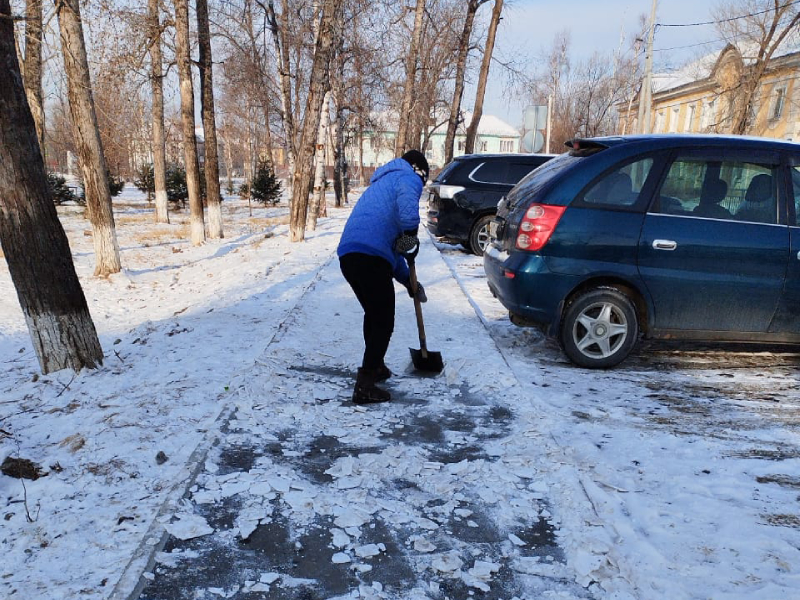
column 528, row 28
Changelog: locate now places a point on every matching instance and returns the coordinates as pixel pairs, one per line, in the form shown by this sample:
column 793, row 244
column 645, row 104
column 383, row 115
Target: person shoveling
column 378, row 243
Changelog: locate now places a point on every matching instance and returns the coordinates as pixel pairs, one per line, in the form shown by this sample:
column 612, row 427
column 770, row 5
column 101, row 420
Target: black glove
column 407, row 244
column 421, row 296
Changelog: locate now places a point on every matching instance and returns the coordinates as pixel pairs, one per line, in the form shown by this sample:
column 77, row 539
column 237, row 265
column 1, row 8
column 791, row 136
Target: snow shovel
column 423, row 359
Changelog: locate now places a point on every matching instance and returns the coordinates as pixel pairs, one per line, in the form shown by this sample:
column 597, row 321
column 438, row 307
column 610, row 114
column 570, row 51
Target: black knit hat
column 417, row 160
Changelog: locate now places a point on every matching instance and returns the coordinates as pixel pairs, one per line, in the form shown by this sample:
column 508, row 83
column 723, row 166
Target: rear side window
column 516, row 171
column 534, row 182
column 724, row 189
column 448, row 171
column 493, row 171
column 620, row 187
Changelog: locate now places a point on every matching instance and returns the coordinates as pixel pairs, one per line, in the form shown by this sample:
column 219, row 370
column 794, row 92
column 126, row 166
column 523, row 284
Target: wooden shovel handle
column 417, row 308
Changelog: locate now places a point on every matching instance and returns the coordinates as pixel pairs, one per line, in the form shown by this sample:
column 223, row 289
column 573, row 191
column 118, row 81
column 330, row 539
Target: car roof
column 666, row 140
column 504, row 155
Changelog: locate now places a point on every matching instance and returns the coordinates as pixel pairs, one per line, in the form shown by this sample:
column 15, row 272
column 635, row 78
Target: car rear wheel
column 600, row 328
column 479, row 236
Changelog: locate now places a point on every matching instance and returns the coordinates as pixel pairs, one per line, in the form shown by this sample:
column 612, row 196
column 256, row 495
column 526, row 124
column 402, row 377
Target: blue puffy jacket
column 388, row 207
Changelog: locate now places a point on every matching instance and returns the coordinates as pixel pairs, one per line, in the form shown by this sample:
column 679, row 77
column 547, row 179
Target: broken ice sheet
column 368, row 551
column 483, row 569
column 340, row 538
column 188, row 526
column 447, row 563
column 423, row 545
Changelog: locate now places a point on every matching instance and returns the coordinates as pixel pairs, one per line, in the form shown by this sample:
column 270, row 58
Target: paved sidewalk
column 446, row 492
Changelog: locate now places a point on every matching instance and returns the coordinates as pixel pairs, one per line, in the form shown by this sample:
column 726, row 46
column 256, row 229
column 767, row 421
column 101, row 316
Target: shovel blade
column 427, row 361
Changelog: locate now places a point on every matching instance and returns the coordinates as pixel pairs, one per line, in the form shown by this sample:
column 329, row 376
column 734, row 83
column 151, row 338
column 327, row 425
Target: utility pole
column 646, row 95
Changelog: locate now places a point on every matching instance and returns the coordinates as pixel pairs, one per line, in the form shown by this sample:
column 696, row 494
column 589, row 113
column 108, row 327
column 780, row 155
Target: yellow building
column 701, row 97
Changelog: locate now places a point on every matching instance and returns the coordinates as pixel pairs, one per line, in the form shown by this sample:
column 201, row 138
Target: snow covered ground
column 512, row 474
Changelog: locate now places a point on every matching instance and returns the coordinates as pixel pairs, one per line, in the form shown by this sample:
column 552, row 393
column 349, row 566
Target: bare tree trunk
column 35, row 246
column 319, row 164
column 87, row 138
column 209, row 123
column 187, row 119
column 316, row 95
column 361, row 180
column 277, row 26
column 33, row 68
column 461, row 69
column 401, row 143
column 477, row 113
column 157, row 88
column 340, row 183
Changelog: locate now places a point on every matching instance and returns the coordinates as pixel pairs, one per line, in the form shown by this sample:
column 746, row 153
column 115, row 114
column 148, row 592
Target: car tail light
column 449, row 191
column 538, row 225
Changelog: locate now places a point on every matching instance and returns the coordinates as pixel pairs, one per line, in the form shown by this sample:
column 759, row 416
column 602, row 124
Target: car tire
column 479, row 236
column 600, row 328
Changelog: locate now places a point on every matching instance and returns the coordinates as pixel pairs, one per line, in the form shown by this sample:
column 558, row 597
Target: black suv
column 463, row 198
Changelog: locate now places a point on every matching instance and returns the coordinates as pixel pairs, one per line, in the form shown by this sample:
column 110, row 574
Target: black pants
column 371, row 280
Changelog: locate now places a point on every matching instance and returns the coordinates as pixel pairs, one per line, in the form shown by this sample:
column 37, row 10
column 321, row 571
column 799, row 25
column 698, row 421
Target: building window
column 709, row 114
column 780, row 101
column 688, row 118
column 462, row 145
column 673, row 119
column 659, row 122
column 483, row 146
column 506, row 145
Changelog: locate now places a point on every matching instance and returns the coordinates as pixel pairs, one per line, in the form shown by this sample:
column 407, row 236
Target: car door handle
column 664, row 245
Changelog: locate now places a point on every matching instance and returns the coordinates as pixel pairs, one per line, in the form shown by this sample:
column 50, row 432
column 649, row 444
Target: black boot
column 366, row 392
column 383, row 373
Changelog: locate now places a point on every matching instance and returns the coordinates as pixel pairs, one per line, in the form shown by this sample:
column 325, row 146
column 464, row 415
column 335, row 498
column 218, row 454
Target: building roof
column 490, row 125
column 703, row 68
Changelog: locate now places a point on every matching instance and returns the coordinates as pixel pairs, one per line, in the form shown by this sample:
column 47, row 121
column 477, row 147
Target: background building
column 702, row 97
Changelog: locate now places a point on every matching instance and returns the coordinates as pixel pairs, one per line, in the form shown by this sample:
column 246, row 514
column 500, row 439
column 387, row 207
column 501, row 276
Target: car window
column 620, row 187
column 448, row 171
column 535, row 181
column 517, row 171
column 795, row 172
column 492, row 171
column 720, row 189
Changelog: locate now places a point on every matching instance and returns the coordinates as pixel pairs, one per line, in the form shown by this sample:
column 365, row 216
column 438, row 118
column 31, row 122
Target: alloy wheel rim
column 483, row 237
column 600, row 330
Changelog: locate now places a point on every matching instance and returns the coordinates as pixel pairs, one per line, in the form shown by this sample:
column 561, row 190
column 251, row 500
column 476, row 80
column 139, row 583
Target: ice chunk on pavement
column 483, row 569
column 515, row 540
column 269, row 578
column 423, row 545
column 368, row 551
column 447, row 563
column 340, row 538
column 340, row 558
column 351, row 518
column 188, row 526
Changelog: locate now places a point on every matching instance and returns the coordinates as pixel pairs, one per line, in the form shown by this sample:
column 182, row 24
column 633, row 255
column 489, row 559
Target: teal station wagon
column 666, row 236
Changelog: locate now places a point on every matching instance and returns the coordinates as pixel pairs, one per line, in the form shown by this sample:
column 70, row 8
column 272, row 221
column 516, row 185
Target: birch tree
column 211, row 162
column 87, row 138
column 488, row 50
column 401, row 143
column 461, row 69
column 197, row 223
column 157, row 112
column 316, row 95
column 35, row 246
column 32, row 67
